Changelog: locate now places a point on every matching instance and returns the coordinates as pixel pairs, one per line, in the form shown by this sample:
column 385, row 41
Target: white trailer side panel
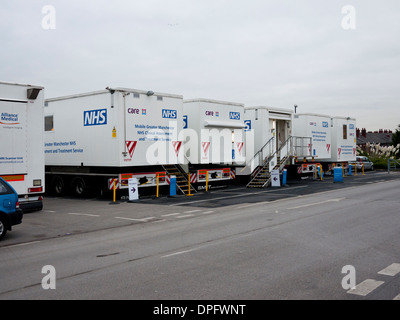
column 318, row 128
column 219, row 128
column 126, row 128
column 153, row 130
column 344, row 139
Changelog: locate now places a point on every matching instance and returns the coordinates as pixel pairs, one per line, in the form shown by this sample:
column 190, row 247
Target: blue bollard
column 337, row 175
column 350, row 170
column 172, row 186
column 284, row 177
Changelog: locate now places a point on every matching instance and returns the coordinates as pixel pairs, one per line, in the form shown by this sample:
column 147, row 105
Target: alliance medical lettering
column 9, row 117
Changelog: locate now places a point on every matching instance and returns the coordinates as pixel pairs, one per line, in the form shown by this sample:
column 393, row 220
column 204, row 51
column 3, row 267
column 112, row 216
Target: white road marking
column 192, row 211
column 365, row 287
column 185, row 216
column 22, row 244
column 207, row 212
column 84, row 214
column 391, row 270
column 140, row 220
column 397, row 297
column 177, row 253
column 316, row 203
column 170, row 214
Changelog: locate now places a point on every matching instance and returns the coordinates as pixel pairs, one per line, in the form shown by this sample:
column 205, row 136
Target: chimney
column 380, row 130
column 364, row 132
column 358, row 132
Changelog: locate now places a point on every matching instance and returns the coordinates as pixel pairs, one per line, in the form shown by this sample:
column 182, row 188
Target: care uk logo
column 95, row 117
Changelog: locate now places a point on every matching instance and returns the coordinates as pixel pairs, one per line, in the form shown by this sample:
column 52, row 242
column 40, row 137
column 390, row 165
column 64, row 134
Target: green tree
column 396, row 136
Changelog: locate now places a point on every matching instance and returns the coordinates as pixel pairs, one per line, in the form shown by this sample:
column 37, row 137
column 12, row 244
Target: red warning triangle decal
column 131, row 145
column 177, row 146
column 206, row 146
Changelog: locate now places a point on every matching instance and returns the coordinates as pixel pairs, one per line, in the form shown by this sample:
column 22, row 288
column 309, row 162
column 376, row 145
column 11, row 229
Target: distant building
column 384, row 137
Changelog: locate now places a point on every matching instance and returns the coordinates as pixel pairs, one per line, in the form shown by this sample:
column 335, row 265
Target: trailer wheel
column 79, row 186
column 57, row 185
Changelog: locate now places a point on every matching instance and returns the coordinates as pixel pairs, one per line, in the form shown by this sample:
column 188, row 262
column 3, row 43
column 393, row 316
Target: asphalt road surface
column 296, row 246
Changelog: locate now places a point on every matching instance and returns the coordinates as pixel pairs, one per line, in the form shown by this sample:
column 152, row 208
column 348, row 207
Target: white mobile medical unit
column 214, row 140
column 21, row 142
column 344, row 141
column 274, row 143
column 318, row 128
column 97, row 139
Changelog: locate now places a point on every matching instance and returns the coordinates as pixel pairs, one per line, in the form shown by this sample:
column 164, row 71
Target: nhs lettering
column 169, row 114
column 234, row 115
column 95, row 117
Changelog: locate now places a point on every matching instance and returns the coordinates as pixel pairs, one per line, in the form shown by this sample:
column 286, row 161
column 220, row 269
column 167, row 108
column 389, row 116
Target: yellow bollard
column 189, row 194
column 206, row 180
column 115, row 193
column 320, row 168
column 363, row 170
column 158, row 184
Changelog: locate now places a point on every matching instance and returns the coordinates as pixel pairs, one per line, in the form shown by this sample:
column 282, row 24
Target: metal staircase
column 181, row 178
column 277, row 160
column 262, row 177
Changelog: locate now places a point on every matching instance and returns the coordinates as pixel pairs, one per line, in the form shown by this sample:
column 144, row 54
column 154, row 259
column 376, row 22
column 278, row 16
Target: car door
column 7, row 198
column 367, row 163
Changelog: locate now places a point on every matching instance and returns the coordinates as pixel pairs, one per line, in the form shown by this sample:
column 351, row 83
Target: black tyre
column 79, row 187
column 58, row 186
column 3, row 228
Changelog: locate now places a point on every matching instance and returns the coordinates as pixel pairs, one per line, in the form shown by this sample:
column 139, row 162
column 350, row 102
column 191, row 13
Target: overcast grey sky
column 257, row 52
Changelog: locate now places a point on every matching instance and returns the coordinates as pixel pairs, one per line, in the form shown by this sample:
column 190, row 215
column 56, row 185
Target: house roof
column 375, row 138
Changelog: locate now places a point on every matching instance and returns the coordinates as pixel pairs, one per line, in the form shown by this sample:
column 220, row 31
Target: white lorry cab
column 21, row 142
column 97, row 139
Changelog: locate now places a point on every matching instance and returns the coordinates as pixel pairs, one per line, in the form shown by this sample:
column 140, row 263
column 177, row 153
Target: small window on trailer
column 48, row 123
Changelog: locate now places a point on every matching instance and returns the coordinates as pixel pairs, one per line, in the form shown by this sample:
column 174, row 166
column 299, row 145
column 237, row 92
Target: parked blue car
column 10, row 213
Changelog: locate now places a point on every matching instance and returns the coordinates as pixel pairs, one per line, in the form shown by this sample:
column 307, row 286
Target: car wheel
column 372, row 168
column 3, row 228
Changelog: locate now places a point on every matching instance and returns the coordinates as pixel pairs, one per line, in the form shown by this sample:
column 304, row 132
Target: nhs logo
column 234, row 115
column 95, row 117
column 325, row 124
column 351, row 126
column 169, row 114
